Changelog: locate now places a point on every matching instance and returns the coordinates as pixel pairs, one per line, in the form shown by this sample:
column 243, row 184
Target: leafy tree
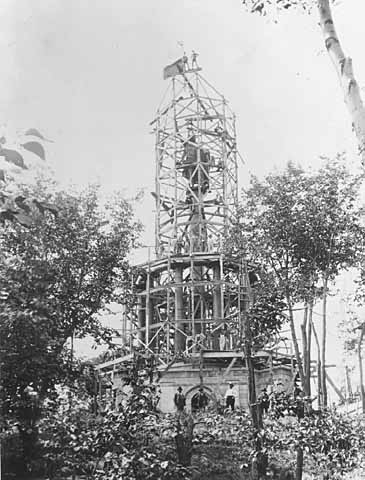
column 342, row 64
column 266, row 233
column 56, row 277
column 353, row 329
column 134, row 442
column 18, row 208
column 331, row 239
column 332, row 441
column 303, row 229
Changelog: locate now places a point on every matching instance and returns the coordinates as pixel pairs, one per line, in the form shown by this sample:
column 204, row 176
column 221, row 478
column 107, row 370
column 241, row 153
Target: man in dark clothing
column 264, row 401
column 179, row 400
column 200, row 400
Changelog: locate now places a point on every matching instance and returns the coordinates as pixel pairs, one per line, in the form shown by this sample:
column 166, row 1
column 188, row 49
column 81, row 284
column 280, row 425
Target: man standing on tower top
column 194, row 61
column 185, row 62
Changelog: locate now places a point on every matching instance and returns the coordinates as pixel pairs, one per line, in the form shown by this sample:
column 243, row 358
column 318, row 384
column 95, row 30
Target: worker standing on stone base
column 230, row 397
column 179, row 400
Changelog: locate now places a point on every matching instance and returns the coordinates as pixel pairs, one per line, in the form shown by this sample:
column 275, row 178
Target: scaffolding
column 191, row 297
column 196, row 185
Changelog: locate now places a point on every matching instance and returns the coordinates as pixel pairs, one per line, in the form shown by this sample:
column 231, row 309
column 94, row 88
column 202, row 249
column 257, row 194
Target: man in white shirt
column 230, row 396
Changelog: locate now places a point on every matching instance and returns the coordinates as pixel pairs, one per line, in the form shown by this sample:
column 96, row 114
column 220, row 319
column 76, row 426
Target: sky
column 88, row 75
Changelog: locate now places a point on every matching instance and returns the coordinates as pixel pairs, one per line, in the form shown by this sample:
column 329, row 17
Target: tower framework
column 188, row 304
column 191, row 297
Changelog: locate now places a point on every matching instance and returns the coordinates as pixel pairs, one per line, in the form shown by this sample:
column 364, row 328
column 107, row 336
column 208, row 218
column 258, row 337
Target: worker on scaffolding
column 200, row 340
column 189, row 343
column 211, row 243
column 185, row 62
column 194, row 60
column 179, row 246
column 223, row 338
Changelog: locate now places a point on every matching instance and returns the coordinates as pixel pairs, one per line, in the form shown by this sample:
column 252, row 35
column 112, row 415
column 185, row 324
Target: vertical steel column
column 224, row 172
column 235, row 164
column 192, row 299
column 179, row 338
column 221, row 266
column 148, row 301
column 217, row 304
column 157, row 189
column 141, row 316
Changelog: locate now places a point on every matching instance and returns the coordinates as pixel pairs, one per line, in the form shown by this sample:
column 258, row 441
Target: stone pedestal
column 215, row 381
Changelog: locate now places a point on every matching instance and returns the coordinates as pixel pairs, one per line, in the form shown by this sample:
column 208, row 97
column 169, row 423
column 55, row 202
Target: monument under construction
column 188, row 303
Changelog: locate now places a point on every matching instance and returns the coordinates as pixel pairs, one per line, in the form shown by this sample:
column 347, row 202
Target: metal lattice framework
column 192, row 297
column 185, row 303
column 196, row 166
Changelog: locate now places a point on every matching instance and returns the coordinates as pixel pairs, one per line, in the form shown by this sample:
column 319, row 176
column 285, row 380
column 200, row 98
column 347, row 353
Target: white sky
column 88, row 74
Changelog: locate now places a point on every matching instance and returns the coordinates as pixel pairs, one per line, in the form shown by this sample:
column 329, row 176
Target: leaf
column 12, row 156
column 43, row 206
column 35, row 133
column 21, row 204
column 24, row 220
column 6, row 215
column 2, row 175
column 39, row 205
column 50, row 207
column 36, row 148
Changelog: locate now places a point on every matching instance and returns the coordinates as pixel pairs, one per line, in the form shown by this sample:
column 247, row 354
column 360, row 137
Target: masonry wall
column 216, row 384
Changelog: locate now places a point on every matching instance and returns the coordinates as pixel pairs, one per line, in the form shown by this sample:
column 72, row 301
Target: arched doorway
column 200, row 397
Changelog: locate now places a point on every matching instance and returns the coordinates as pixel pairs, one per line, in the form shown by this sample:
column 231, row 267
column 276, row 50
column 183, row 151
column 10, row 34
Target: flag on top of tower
column 175, row 68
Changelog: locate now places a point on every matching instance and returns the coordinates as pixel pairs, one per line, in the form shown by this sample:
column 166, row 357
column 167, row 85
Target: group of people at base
column 200, row 400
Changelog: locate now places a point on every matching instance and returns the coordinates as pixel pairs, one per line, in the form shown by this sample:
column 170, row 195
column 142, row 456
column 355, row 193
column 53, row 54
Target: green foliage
column 18, row 208
column 266, row 315
column 273, row 7
column 299, row 225
column 334, row 443
column 133, row 443
column 55, row 278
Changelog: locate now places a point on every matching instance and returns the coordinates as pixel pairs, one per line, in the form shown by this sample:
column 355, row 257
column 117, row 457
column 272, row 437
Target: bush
column 129, row 444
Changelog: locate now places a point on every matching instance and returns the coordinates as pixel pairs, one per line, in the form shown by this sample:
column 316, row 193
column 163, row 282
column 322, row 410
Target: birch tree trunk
column 319, row 368
column 309, row 346
column 361, row 373
column 324, row 340
column 306, row 366
column 343, row 67
column 295, row 340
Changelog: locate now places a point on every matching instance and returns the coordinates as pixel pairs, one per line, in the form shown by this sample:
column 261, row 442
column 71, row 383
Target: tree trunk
column 254, row 407
column 295, row 341
column 319, row 367
column 343, row 67
column 29, row 438
column 184, row 439
column 260, row 459
column 306, row 367
column 309, row 346
column 324, row 341
column 348, row 384
column 361, row 372
column 299, row 464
